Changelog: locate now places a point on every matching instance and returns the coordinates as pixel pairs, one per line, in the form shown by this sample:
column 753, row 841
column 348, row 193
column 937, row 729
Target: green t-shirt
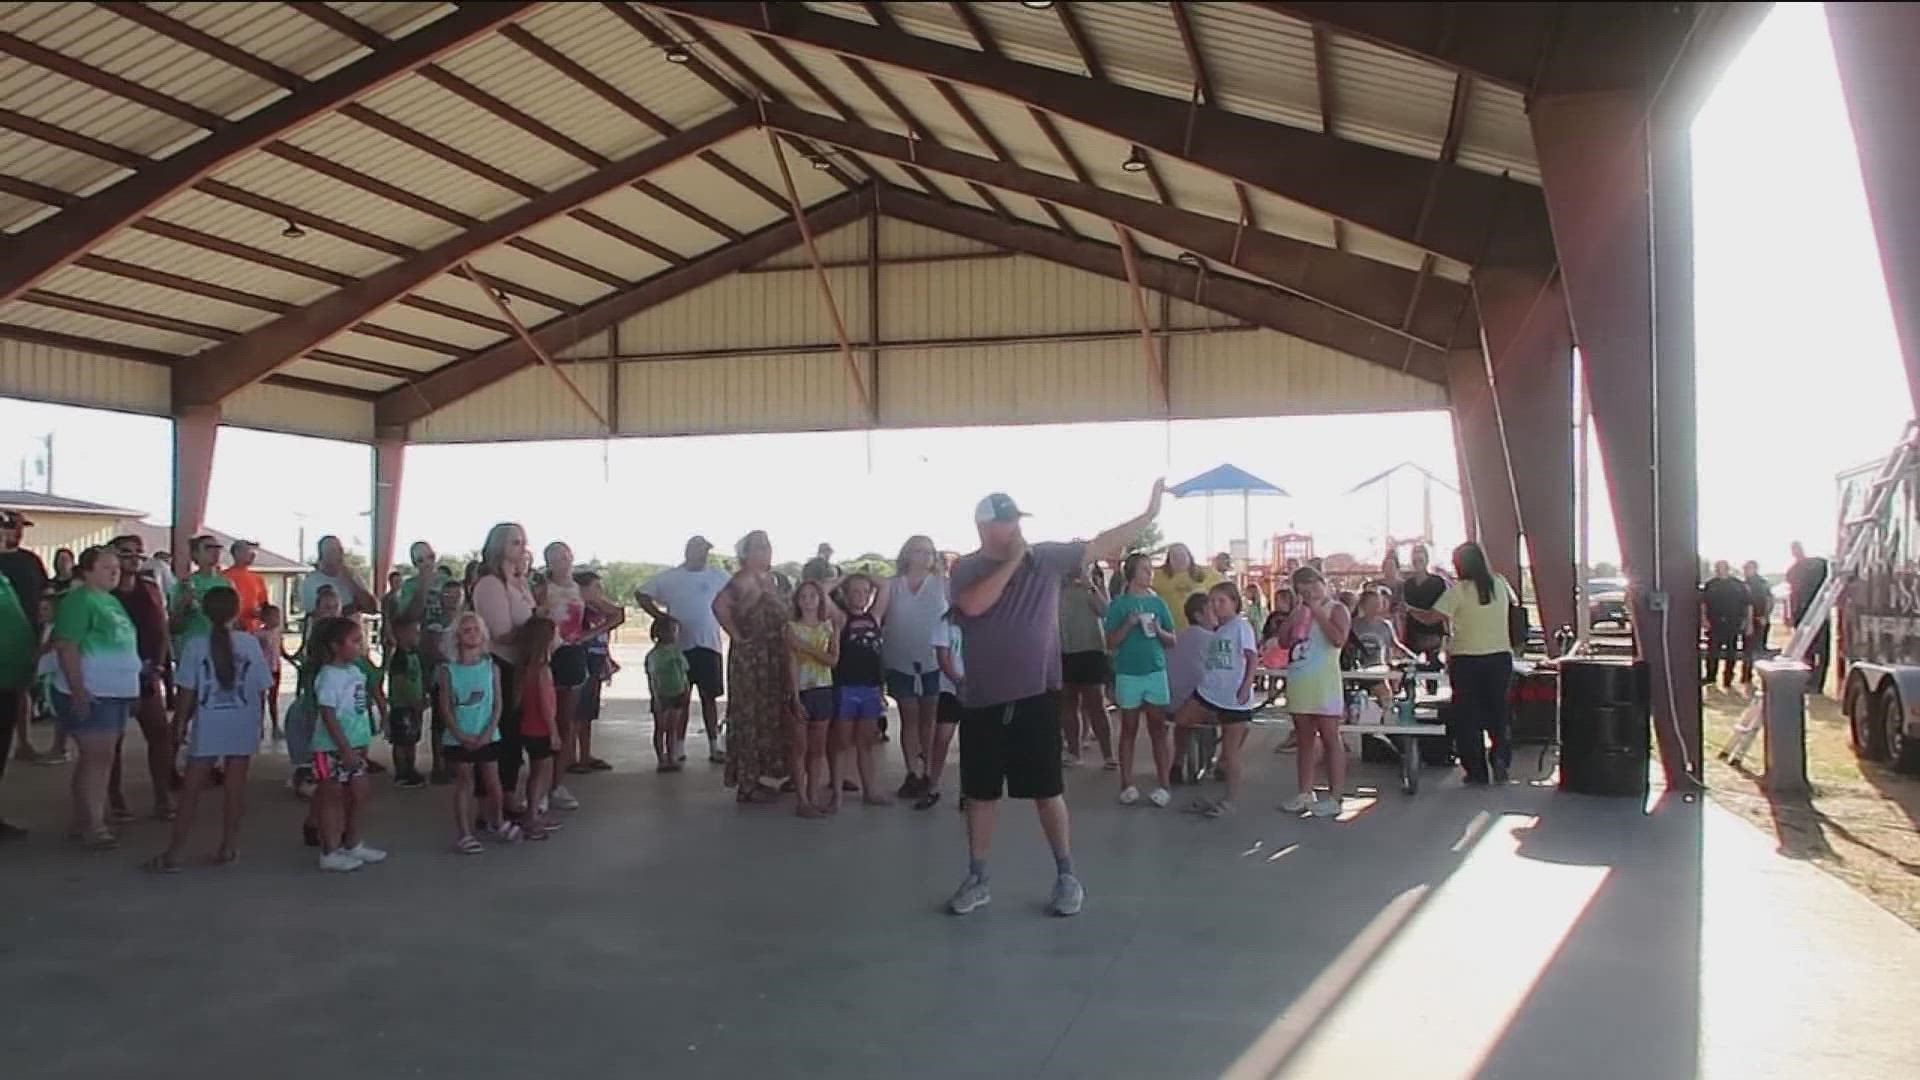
column 1138, row 654
column 196, row 624
column 667, row 671
column 434, row 617
column 98, row 626
column 344, row 690
column 406, row 681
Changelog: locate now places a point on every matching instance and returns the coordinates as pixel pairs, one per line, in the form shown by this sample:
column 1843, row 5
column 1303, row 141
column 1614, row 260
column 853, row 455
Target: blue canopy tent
column 1227, row 480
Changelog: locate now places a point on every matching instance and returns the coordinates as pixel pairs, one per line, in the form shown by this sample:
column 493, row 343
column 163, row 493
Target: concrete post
column 389, row 458
column 1784, row 686
column 1483, row 450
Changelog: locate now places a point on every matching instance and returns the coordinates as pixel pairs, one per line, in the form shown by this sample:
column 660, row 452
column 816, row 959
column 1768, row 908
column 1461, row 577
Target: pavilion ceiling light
column 1136, row 161
column 677, row 52
column 293, row 231
column 1036, row 5
column 820, row 162
column 1188, row 258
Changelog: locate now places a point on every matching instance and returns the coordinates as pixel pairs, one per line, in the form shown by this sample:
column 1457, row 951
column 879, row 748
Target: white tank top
column 911, row 617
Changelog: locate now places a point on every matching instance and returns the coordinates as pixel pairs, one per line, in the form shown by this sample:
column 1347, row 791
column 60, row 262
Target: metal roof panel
column 336, row 200
column 1261, row 63
column 361, row 148
column 1139, row 46
column 248, row 226
column 596, row 248
column 447, row 118
column 26, row 313
column 154, row 299
column 1387, row 99
column 1495, row 136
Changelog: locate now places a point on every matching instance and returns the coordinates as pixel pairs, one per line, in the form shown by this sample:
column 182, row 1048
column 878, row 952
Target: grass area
column 1862, row 823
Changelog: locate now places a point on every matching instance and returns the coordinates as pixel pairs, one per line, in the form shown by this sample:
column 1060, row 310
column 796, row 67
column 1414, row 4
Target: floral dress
column 759, row 690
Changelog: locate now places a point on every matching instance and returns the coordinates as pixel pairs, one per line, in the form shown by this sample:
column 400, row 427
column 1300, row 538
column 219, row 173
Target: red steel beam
column 1156, row 364
column 1229, row 295
column 1483, row 451
column 533, row 345
column 1529, row 347
column 226, row 368
column 1874, row 45
column 57, row 241
column 1353, row 285
column 404, row 405
column 1377, row 189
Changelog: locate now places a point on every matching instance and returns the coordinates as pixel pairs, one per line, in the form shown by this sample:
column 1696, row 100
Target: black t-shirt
column 859, row 652
column 1804, row 578
column 28, row 576
column 1761, row 594
column 1726, row 599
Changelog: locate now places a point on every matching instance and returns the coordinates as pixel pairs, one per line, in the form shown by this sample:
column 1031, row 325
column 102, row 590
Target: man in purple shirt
column 1006, row 601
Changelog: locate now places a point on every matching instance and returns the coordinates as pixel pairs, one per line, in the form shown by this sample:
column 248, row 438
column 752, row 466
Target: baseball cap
column 998, row 506
column 14, row 519
column 254, row 544
column 205, row 540
column 700, row 541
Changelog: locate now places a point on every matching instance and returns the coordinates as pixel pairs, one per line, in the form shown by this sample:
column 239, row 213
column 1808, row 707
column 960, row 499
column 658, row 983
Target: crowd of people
column 1736, row 618
column 1014, row 651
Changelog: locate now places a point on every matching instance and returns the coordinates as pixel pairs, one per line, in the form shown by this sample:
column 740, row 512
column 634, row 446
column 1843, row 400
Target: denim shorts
column 860, row 703
column 904, row 687
column 104, row 716
column 817, row 705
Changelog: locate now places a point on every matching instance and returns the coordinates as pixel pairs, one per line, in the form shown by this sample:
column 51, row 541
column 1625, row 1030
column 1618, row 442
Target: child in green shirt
column 668, row 686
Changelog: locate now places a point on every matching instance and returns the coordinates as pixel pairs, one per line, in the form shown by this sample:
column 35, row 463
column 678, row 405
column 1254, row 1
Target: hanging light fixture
column 677, row 52
column 819, row 161
column 1187, row 258
column 293, row 231
column 1036, row 5
column 1136, row 161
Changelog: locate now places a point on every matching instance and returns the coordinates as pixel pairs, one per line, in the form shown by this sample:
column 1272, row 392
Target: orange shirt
column 251, row 588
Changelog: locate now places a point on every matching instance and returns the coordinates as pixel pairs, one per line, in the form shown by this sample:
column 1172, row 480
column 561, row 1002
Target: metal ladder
column 1856, row 536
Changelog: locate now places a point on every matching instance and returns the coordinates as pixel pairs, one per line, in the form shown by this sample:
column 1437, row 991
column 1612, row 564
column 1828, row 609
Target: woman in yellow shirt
column 1180, row 577
column 1479, row 663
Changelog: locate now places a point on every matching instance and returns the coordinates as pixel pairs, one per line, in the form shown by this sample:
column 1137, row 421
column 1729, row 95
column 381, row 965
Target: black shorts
column 1224, row 715
column 484, row 754
column 569, row 666
column 1084, row 668
column 705, row 671
column 588, row 706
column 949, row 709
column 403, row 725
column 538, row 747
column 1016, row 746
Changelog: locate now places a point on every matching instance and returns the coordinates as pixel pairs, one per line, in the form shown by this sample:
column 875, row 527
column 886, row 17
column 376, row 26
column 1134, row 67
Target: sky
column 1798, row 366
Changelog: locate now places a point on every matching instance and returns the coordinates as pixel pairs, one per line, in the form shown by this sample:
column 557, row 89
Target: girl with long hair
column 816, row 649
column 468, row 686
column 857, row 677
column 540, row 734
column 910, row 605
column 1316, row 697
column 95, row 683
column 1224, row 694
column 1179, row 577
column 223, row 678
column 343, row 730
column 504, row 601
column 1479, row 664
column 1139, row 630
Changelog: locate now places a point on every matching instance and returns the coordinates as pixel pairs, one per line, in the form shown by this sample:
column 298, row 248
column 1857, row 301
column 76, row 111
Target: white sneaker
column 339, row 862
column 366, row 853
column 1160, row 797
column 563, row 799
column 1299, row 804
column 1129, row 795
column 1326, row 808
column 1071, row 761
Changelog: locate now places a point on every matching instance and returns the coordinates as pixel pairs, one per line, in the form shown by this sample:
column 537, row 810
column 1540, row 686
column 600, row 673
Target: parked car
column 1607, row 602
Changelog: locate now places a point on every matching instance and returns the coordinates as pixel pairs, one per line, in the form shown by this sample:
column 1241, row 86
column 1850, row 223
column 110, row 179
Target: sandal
column 534, row 832
column 467, row 845
column 599, row 764
column 101, row 839
column 1220, row 809
column 579, row 768
column 160, row 864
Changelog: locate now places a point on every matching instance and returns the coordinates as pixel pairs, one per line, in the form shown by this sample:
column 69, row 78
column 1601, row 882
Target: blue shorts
column 904, row 687
column 1130, row 692
column 860, row 703
column 104, row 716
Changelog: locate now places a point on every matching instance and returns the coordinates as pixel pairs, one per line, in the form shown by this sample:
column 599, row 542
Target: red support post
column 1617, row 179
column 1483, row 453
column 1874, row 47
column 195, row 430
column 1529, row 346
column 389, row 455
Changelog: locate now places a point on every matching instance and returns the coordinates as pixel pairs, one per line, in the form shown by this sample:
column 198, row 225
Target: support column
column 389, row 454
column 1618, row 192
column 1476, row 425
column 1529, row 346
column 195, row 430
column 1874, row 47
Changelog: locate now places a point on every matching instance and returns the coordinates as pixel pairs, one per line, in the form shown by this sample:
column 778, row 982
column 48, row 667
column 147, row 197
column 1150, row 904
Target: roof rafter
column 1252, row 303
column 984, row 38
column 226, row 368
column 916, row 128
column 403, row 406
column 1378, row 189
column 1355, row 286
column 58, row 240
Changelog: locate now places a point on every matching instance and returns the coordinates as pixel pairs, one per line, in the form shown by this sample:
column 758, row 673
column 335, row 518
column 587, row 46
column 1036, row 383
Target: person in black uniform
column 1760, row 608
column 1804, row 579
column 1725, row 605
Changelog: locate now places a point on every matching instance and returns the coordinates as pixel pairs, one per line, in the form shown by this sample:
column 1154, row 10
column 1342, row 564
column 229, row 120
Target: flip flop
column 468, row 845
column 599, row 764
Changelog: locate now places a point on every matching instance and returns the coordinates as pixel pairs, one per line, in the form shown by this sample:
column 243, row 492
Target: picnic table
column 1417, row 697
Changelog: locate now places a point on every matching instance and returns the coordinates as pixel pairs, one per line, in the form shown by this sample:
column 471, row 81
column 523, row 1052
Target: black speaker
column 1606, row 726
column 1533, row 705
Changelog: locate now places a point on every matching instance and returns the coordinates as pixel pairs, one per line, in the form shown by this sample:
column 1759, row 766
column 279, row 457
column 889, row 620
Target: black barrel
column 1606, row 726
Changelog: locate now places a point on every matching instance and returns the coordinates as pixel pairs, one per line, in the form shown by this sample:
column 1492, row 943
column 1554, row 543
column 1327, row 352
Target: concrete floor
column 666, row 932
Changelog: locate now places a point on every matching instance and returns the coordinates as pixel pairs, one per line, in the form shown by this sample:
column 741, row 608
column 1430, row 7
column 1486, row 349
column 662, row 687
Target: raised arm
column 1112, row 543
